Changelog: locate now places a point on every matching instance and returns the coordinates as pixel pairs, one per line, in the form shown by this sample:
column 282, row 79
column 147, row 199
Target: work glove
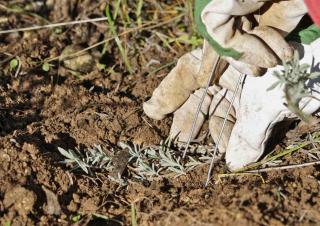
column 187, row 76
column 256, row 112
column 257, row 45
column 249, row 34
column 215, row 105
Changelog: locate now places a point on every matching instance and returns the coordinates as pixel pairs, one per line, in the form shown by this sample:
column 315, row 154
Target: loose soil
column 40, row 111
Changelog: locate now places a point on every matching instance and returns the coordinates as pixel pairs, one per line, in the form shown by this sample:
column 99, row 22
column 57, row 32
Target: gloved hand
column 256, row 111
column 249, row 44
column 215, row 106
column 189, row 75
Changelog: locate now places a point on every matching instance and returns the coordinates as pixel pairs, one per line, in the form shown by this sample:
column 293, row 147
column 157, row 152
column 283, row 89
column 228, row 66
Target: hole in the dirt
column 317, row 167
column 94, row 88
column 127, row 94
column 64, row 140
column 313, row 197
column 107, row 60
column 146, row 34
column 41, row 197
column 144, row 204
column 116, row 221
column 166, row 186
column 289, row 178
column 297, row 198
column 66, row 197
column 146, row 183
column 262, row 206
column 10, row 121
column 59, row 80
column 246, row 203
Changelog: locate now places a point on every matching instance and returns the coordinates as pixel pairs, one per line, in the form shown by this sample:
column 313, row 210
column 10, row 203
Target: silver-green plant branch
column 294, row 77
column 145, row 162
column 92, row 158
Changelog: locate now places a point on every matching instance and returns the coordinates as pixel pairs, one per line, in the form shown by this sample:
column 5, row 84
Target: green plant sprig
column 295, row 77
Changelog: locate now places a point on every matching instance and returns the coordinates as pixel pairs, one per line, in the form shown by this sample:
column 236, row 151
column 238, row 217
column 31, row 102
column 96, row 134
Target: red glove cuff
column 314, row 10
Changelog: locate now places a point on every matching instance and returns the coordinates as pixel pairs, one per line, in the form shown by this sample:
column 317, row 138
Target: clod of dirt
column 53, row 207
column 83, row 62
column 20, row 200
column 88, row 206
column 120, row 162
column 31, row 149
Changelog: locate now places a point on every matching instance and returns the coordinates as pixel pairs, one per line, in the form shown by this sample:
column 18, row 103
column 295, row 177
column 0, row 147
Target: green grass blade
column 133, row 215
column 138, row 12
column 117, row 39
column 116, row 10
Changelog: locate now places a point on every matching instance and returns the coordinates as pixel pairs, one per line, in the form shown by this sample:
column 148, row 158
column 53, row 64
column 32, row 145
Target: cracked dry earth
column 42, row 111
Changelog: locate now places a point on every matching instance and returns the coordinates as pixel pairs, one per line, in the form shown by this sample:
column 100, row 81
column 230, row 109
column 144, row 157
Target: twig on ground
column 223, row 175
column 284, row 167
column 49, row 26
column 275, row 157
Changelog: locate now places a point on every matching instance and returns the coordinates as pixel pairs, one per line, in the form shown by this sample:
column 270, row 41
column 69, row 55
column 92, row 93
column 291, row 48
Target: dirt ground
column 41, row 111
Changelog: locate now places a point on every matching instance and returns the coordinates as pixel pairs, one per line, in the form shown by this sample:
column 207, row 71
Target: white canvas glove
column 231, row 28
column 215, row 106
column 256, row 111
column 187, row 76
column 261, row 110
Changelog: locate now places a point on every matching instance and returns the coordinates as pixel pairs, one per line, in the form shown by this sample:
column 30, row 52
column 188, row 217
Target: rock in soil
column 19, row 199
